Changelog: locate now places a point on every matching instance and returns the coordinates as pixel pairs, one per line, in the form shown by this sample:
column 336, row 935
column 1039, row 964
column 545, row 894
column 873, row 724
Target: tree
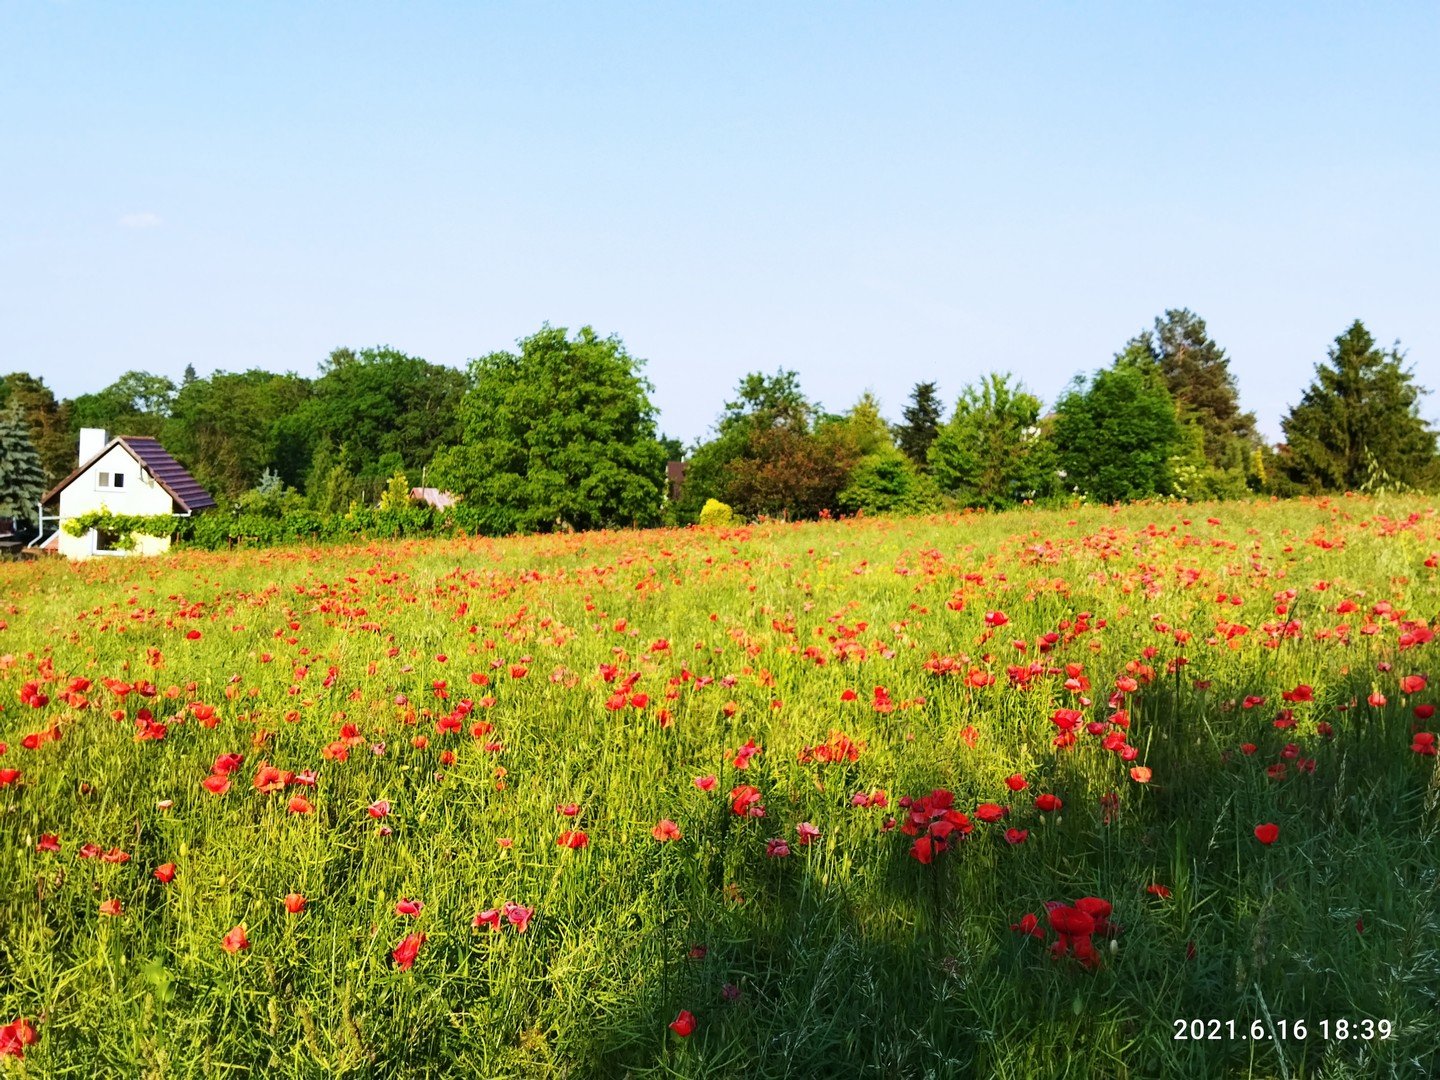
column 787, row 472
column 22, row 478
column 330, row 485
column 887, row 482
column 228, row 429
column 922, row 423
column 396, row 495
column 992, row 451
column 560, row 435
column 1117, row 432
column 137, row 403
column 1358, row 424
column 49, row 422
column 1218, row 455
column 379, row 401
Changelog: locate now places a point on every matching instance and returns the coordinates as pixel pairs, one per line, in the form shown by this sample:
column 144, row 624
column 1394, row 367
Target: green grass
column 848, row 957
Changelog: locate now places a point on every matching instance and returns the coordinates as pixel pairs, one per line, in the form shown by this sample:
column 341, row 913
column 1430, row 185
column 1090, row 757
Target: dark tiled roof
column 168, row 473
column 183, row 487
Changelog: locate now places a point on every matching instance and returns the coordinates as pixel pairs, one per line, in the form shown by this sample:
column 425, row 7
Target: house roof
column 168, row 473
column 440, row 500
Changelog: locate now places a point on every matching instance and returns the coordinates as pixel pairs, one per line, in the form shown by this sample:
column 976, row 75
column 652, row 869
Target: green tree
column 992, row 451
column 137, row 403
column 330, row 485
column 1358, row 424
column 921, row 425
column 887, row 482
column 228, row 429
column 379, row 401
column 22, row 477
column 396, row 495
column 559, row 435
column 1117, row 433
column 49, row 422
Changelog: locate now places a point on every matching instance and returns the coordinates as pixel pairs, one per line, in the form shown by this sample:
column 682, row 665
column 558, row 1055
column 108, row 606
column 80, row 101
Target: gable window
column 110, row 481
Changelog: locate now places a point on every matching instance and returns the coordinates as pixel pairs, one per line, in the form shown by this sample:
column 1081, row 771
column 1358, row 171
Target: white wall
column 140, row 495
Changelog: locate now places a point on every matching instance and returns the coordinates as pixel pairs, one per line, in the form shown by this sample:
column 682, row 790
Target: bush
column 715, row 512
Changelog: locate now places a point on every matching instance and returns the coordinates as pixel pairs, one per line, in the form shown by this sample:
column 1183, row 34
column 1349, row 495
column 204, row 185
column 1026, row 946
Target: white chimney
column 92, row 441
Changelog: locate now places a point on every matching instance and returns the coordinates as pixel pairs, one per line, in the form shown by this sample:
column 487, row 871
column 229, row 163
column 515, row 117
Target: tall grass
column 848, row 957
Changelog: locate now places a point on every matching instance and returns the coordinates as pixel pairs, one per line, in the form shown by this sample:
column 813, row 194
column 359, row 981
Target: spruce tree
column 22, row 478
column 922, row 423
column 1358, row 425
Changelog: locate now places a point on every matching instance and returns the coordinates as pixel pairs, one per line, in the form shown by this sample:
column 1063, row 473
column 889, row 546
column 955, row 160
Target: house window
column 108, row 481
column 107, row 543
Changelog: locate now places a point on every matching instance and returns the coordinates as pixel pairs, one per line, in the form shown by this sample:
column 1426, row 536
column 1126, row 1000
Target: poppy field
column 1147, row 791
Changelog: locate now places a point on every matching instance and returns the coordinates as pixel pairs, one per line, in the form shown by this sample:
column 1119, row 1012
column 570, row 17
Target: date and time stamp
column 1340, row 1030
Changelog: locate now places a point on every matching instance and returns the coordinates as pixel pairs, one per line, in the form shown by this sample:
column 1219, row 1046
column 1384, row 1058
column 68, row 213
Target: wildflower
column 15, row 1037
column 378, row 809
column 807, row 833
column 519, row 917
column 665, row 831
column 1158, row 890
column 216, row 783
column 489, row 917
column 777, row 848
column 111, row 907
column 1048, row 803
column 48, row 842
column 1016, row 782
column 235, row 940
column 684, row 1024
column 406, row 906
column 1028, row 925
column 573, row 839
column 990, row 812
column 294, row 903
column 1140, row 774
column 165, row 873
column 405, row 953
column 1267, row 834
column 705, row 783
column 1016, row 836
column 298, row 804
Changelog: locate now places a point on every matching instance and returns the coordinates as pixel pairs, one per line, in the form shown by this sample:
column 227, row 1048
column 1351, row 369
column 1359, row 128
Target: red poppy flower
column 923, row 850
column 684, row 1024
column 705, row 783
column 294, row 903
column 111, row 907
column 519, row 917
column 48, row 842
column 807, row 833
column 235, row 941
column 777, row 848
column 666, row 830
column 744, row 799
column 165, row 873
column 990, row 812
column 1412, row 684
column 1140, row 774
column 1016, row 836
column 406, row 906
column 405, row 953
column 1016, row 782
column 1048, row 803
column 573, row 839
column 1267, row 834
column 15, row 1037
column 1158, row 890
column 1028, row 925
column 216, row 783
column 489, row 917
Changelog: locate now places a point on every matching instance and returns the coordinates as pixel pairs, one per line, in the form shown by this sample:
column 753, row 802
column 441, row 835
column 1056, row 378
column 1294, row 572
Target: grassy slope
column 849, row 956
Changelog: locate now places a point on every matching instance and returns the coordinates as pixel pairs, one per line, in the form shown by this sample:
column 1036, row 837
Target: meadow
column 1014, row 795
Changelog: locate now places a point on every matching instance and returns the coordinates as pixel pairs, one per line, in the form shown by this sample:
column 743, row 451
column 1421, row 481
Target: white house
column 129, row 474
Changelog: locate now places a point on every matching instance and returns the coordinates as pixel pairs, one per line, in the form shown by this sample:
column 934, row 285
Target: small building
column 129, row 474
column 434, row 497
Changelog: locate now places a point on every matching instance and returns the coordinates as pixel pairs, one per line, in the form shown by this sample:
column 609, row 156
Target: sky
column 870, row 194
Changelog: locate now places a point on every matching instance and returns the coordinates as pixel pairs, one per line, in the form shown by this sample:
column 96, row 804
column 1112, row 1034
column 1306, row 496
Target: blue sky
column 872, row 194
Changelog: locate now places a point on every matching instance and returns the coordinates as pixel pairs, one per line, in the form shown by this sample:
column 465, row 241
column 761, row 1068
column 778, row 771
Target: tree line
column 562, row 434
